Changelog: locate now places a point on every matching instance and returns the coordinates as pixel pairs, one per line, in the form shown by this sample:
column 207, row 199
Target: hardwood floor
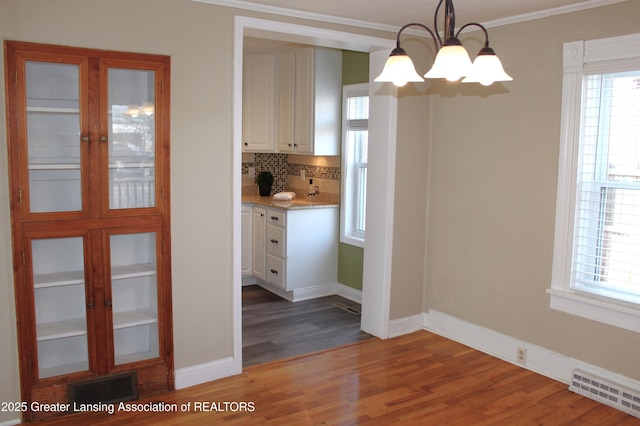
column 274, row 328
column 417, row 379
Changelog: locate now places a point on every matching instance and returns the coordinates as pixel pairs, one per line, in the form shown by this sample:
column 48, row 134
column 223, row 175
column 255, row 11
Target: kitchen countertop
column 295, row 204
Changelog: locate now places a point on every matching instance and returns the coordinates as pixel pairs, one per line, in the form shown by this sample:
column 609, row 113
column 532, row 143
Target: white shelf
column 125, row 359
column 61, row 329
column 55, row 166
column 53, row 110
column 134, row 318
column 132, row 271
column 57, row 279
column 63, row 369
column 131, row 165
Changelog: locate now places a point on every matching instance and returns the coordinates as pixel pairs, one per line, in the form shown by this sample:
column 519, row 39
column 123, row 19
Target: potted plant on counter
column 265, row 182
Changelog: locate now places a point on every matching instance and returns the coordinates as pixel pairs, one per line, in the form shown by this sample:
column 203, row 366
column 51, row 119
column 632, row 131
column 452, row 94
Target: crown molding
column 256, row 7
column 589, row 4
column 294, row 13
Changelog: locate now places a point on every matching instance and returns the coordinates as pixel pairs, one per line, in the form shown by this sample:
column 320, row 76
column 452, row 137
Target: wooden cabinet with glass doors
column 88, row 140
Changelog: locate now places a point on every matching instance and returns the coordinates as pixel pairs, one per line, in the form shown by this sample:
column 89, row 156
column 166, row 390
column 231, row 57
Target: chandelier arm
column 486, row 33
column 435, row 22
column 449, row 19
column 424, row 27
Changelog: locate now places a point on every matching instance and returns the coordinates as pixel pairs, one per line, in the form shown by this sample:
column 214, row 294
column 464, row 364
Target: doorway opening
column 377, row 263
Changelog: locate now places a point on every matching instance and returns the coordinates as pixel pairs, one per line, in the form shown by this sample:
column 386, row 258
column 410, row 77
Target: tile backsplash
column 286, row 169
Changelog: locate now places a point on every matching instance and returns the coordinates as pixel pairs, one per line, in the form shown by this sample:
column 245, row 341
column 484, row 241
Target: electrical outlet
column 521, row 355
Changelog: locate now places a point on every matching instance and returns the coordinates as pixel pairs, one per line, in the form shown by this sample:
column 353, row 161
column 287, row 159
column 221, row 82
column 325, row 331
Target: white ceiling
column 395, row 13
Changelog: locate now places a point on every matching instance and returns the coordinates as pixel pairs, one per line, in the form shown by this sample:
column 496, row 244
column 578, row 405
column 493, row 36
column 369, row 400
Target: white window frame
column 579, row 58
column 349, row 195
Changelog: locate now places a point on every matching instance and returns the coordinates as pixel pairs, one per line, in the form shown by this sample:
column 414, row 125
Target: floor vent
column 352, row 308
column 609, row 393
column 109, row 389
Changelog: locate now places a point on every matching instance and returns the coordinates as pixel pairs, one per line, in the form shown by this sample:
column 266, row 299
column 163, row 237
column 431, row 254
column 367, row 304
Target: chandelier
column 452, row 60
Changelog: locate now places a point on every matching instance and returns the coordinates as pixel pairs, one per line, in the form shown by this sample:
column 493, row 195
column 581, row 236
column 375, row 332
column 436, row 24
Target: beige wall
column 490, row 182
column 199, row 39
column 492, row 192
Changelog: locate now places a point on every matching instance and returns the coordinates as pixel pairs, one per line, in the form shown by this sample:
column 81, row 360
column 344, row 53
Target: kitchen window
column 354, row 163
column 596, row 265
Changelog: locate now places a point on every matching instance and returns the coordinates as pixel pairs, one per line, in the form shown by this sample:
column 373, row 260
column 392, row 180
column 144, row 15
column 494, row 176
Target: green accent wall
column 350, row 259
column 355, row 69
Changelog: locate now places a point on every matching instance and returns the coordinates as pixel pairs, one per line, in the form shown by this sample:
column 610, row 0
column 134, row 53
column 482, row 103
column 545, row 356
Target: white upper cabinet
column 259, row 101
column 299, row 110
column 309, row 100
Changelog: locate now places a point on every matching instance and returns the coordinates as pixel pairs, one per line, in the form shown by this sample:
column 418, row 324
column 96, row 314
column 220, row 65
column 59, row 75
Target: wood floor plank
column 274, row 328
column 417, row 379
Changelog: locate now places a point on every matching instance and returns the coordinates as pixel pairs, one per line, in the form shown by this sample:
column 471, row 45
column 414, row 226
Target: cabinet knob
column 274, row 241
column 273, row 271
column 103, row 139
column 108, row 303
column 85, row 138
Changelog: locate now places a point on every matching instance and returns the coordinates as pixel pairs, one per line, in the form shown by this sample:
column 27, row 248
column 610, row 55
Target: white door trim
column 378, row 248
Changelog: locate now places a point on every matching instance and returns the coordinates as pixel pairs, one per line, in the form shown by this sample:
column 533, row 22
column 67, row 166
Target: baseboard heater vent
column 607, row 392
column 109, row 389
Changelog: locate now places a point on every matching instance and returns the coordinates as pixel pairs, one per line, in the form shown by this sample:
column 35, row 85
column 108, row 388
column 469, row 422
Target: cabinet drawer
column 277, row 217
column 275, row 241
column 275, row 271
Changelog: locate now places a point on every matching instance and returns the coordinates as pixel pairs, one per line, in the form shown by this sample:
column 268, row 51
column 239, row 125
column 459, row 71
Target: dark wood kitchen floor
column 274, row 328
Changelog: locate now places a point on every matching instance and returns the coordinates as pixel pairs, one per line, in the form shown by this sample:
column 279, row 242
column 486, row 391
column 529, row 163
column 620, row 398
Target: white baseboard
column 207, row 372
column 349, row 293
column 307, row 293
column 11, row 422
column 249, row 280
column 406, row 325
column 538, row 359
column 314, row 292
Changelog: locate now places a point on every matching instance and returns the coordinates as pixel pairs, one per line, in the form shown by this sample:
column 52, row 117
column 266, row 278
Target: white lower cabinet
column 258, row 248
column 291, row 249
column 247, row 241
column 301, row 248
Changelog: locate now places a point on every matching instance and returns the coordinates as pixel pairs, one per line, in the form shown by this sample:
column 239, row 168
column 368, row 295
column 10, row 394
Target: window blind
column 607, row 229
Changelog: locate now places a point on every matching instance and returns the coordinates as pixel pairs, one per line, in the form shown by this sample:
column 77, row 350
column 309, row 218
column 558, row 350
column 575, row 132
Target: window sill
column 597, row 308
column 352, row 241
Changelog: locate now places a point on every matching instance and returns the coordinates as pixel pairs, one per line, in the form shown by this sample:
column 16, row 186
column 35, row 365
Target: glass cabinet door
column 60, row 305
column 132, row 138
column 53, row 136
column 134, row 285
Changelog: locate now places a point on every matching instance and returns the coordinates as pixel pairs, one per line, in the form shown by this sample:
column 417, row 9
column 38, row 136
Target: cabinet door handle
column 85, row 138
column 274, row 241
column 274, row 218
column 103, row 139
column 90, row 305
column 273, row 271
column 108, row 303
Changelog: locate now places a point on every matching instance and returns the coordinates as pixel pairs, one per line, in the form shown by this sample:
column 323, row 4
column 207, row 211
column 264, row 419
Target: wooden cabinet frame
column 94, row 223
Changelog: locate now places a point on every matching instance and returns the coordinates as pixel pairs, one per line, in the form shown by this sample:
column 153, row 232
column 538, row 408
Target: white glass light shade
column 399, row 69
column 133, row 110
column 452, row 62
column 486, row 69
column 148, row 108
